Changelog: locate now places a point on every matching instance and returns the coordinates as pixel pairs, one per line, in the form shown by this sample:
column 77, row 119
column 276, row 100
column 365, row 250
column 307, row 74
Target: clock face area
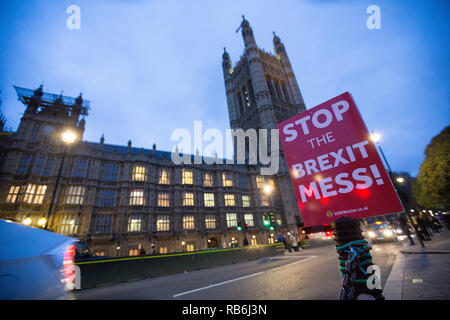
column 47, row 129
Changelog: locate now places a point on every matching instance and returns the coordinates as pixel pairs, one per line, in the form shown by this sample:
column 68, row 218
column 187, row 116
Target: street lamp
column 376, row 137
column 27, row 221
column 400, row 179
column 267, row 189
column 68, row 137
column 41, row 221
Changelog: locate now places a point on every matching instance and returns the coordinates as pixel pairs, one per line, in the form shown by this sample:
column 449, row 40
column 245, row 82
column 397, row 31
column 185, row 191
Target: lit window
column 231, row 220
column 188, row 222
column 164, row 177
column 107, row 198
column 137, row 197
column 133, row 252
column 75, row 195
column 246, row 99
column 34, row 193
column 103, row 224
column 264, row 200
column 162, row 223
column 188, row 199
column 248, row 218
column 188, row 176
column 209, row 199
column 227, row 179
column 135, row 223
column 20, row 217
column 208, row 180
column 139, row 173
column 210, row 221
column 163, row 199
column 163, row 250
column 260, row 182
column 229, row 200
column 69, row 224
column 245, row 201
column 189, row 247
column 13, row 194
column 80, row 168
column 278, row 219
column 111, row 171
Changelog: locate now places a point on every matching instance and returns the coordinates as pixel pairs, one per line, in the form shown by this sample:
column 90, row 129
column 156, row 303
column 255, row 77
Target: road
column 308, row 274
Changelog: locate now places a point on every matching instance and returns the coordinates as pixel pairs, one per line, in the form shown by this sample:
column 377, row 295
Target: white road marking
column 240, row 278
column 217, row 284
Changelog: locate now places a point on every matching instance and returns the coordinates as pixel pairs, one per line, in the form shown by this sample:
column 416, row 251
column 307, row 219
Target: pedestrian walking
column 423, row 227
column 141, row 250
column 405, row 228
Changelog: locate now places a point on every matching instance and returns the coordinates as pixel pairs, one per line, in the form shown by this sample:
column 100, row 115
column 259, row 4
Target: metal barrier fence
column 91, row 274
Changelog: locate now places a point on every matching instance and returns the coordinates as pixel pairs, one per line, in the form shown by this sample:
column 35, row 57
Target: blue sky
column 150, row 67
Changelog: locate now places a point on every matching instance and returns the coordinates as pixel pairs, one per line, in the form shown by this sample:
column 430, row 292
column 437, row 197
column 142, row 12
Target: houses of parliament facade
column 116, row 197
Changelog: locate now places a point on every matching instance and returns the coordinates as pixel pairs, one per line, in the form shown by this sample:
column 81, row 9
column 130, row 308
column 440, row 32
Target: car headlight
column 387, row 233
column 372, row 234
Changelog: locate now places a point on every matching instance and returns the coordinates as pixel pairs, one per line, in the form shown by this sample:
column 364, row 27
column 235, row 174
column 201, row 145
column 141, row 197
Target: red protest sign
column 334, row 166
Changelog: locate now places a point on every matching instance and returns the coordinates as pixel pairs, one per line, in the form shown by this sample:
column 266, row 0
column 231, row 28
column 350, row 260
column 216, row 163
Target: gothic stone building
column 116, row 197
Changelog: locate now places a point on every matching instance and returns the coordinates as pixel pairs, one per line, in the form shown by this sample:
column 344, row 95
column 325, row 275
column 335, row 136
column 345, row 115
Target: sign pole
column 348, row 231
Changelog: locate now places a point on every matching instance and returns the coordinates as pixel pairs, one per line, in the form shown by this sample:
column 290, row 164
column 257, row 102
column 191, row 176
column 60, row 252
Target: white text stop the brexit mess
column 342, row 183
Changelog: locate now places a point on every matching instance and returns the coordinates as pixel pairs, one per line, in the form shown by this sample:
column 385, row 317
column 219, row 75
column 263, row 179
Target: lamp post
column 407, row 209
column 376, row 137
column 68, row 137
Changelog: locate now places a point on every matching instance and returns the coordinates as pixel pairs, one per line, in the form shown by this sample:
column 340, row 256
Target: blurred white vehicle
column 34, row 263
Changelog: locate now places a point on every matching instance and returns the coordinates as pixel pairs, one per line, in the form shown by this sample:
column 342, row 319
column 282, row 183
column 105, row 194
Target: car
column 35, row 264
column 381, row 232
column 82, row 253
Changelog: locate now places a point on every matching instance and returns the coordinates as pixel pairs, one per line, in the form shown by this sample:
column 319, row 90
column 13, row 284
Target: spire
column 247, row 33
column 226, row 63
column 79, row 100
column 225, row 55
column 39, row 92
column 276, row 39
column 35, row 100
column 278, row 45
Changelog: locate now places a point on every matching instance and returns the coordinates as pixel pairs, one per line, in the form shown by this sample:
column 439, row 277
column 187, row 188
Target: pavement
column 426, row 272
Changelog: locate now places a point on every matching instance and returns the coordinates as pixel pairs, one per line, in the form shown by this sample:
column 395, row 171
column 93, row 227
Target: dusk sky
column 149, row 67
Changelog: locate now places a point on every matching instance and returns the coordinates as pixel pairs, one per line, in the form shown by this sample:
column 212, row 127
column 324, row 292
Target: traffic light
column 246, row 227
column 266, row 221
column 272, row 224
column 239, row 227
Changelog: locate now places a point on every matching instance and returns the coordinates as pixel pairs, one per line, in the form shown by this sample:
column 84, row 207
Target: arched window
column 286, row 96
column 251, row 92
column 277, row 88
column 269, row 84
column 246, row 97
column 241, row 107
